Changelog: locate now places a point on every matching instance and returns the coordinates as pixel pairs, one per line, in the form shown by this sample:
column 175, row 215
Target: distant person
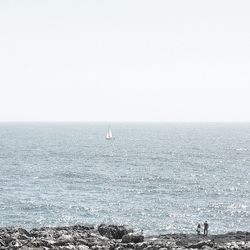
column 198, row 230
column 205, row 228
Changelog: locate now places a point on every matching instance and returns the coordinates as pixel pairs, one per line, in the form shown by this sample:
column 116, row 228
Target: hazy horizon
column 127, row 61
column 142, row 121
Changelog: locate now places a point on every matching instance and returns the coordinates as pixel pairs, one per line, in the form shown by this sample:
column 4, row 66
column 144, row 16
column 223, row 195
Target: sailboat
column 109, row 134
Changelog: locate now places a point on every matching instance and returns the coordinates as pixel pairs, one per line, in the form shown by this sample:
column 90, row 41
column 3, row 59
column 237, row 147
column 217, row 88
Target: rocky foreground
column 84, row 237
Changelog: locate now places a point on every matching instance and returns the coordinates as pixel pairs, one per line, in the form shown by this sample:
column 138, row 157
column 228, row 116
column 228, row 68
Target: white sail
column 109, row 134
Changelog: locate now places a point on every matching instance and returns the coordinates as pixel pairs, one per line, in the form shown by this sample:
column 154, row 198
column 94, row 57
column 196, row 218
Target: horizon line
column 121, row 121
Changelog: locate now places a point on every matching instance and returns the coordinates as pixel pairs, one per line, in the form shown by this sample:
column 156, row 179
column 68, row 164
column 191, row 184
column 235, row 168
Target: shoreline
column 104, row 237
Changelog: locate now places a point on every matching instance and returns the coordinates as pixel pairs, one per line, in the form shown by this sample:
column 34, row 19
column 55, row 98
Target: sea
column 159, row 177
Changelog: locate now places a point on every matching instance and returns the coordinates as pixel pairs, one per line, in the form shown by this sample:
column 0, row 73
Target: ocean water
column 157, row 177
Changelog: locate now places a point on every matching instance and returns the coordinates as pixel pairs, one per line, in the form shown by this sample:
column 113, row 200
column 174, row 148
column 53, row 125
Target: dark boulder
column 112, row 231
column 132, row 238
column 23, row 231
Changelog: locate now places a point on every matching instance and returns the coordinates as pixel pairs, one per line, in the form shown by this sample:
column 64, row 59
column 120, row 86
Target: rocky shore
column 87, row 237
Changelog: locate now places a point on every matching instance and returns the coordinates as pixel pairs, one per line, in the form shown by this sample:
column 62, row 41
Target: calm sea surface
column 159, row 177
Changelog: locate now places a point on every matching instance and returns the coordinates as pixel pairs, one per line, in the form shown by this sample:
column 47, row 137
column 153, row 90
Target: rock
column 206, row 248
column 83, row 227
column 151, row 248
column 23, row 237
column 201, row 244
column 112, row 231
column 221, row 247
column 69, row 247
column 131, row 237
column 100, row 248
column 66, row 237
column 31, row 248
column 83, row 247
column 141, row 245
column 247, row 246
column 234, row 246
column 2, row 243
column 111, row 237
column 23, row 231
column 48, row 243
column 36, row 243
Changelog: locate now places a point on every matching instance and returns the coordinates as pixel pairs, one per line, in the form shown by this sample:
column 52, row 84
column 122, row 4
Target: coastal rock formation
column 111, row 237
column 131, row 237
column 113, row 231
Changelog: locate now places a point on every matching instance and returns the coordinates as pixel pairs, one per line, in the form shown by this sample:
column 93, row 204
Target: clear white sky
column 130, row 60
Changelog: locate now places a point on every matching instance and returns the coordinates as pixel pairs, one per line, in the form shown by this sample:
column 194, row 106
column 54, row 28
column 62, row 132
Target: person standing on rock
column 205, row 228
column 198, row 230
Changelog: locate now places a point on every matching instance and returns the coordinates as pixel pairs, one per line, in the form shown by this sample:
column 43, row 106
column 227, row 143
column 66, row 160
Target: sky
column 130, row 60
